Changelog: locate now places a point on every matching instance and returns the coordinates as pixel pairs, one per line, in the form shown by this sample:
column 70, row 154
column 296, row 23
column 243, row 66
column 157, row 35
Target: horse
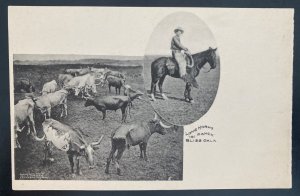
column 164, row 66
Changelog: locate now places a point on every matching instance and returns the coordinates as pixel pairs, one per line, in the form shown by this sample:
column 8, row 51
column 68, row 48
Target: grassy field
column 165, row 153
column 175, row 110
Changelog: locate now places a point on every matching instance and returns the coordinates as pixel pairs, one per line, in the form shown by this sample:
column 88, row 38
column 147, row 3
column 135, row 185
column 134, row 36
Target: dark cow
column 109, row 103
column 115, row 82
column 132, row 135
column 70, row 140
column 24, row 86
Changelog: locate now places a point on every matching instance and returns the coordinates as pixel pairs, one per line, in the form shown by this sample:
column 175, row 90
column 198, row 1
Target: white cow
column 45, row 102
column 49, row 87
column 23, row 114
column 83, row 84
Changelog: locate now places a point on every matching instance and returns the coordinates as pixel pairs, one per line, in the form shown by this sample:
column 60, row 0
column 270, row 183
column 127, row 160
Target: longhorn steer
column 70, row 140
column 82, row 84
column 24, row 86
column 115, row 82
column 109, row 103
column 45, row 102
column 23, row 114
column 49, row 87
column 132, row 135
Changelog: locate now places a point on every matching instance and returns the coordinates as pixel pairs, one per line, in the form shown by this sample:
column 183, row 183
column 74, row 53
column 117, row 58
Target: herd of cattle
column 82, row 83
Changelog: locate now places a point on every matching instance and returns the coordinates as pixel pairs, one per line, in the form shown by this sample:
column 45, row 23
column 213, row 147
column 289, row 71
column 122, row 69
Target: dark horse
column 164, row 66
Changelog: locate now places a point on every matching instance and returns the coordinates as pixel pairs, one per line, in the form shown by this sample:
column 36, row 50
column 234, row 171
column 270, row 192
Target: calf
column 23, row 114
column 115, row 82
column 24, row 86
column 45, row 102
column 109, row 103
column 132, row 135
column 49, row 87
column 70, row 140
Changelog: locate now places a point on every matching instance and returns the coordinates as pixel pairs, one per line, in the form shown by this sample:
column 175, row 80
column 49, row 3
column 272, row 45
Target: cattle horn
column 39, row 139
column 155, row 116
column 98, row 142
column 80, row 146
column 164, row 126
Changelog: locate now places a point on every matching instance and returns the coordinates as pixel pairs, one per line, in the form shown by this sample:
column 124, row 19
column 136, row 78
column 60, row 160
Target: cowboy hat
column 179, row 29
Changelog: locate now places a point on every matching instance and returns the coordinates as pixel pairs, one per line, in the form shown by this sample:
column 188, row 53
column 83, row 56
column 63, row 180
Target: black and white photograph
column 86, row 118
column 182, row 68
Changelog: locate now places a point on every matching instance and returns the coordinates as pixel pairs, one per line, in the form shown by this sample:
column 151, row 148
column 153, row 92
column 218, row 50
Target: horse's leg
column 187, row 93
column 153, row 88
column 160, row 83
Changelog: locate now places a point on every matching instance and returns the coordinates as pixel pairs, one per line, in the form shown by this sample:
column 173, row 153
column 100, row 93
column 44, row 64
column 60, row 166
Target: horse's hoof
column 51, row 159
column 164, row 97
column 152, row 97
column 192, row 101
column 73, row 176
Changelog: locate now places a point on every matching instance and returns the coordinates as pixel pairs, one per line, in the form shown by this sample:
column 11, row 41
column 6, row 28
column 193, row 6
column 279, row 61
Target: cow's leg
column 116, row 90
column 70, row 156
column 111, row 155
column 141, row 150
column 153, row 88
column 108, row 87
column 118, row 157
column 32, row 123
column 17, row 144
column 187, row 93
column 160, row 83
column 28, row 126
column 49, row 112
column 78, row 170
column 144, row 149
column 123, row 109
column 47, row 152
column 103, row 114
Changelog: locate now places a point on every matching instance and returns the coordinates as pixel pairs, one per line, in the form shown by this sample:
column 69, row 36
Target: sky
column 103, row 31
column 197, row 35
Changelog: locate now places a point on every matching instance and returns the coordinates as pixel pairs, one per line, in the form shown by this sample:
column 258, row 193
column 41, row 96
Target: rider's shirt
column 176, row 44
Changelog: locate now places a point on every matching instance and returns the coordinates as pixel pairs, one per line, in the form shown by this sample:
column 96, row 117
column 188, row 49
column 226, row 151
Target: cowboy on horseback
column 179, row 53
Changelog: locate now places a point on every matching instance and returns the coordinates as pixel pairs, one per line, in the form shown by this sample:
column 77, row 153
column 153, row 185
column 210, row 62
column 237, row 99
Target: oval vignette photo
column 181, row 68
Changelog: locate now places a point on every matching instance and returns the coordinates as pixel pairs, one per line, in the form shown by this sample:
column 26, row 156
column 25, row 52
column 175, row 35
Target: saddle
column 184, row 58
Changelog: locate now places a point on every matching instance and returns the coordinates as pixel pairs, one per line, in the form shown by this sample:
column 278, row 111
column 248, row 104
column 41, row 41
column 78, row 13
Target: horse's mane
column 198, row 55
